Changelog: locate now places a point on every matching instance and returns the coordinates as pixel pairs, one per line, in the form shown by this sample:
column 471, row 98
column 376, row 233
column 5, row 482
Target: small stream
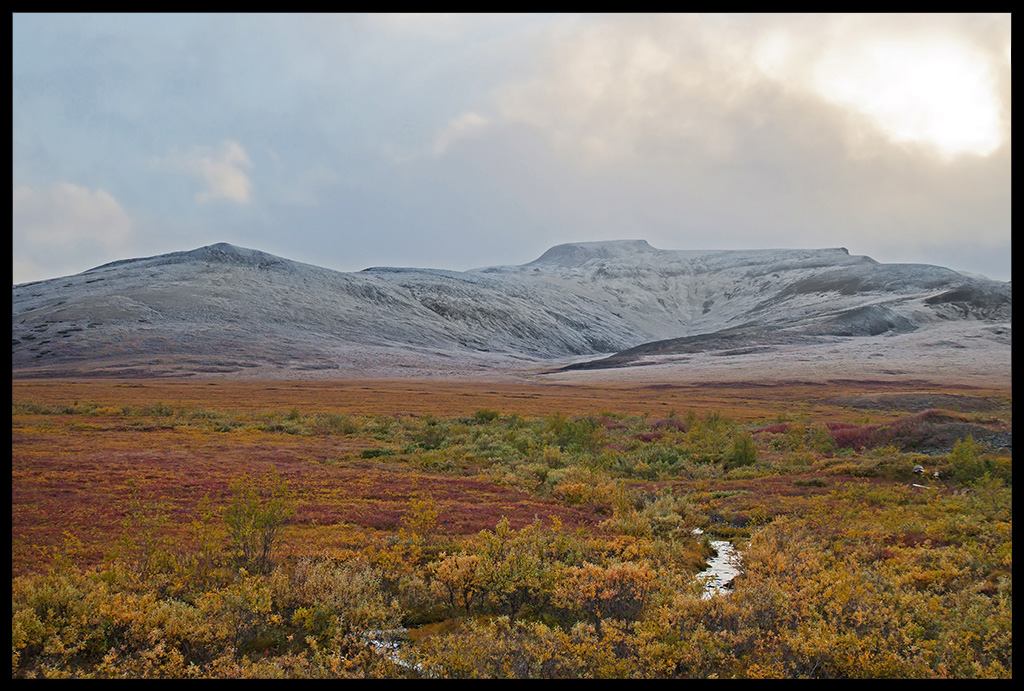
column 390, row 644
column 722, row 568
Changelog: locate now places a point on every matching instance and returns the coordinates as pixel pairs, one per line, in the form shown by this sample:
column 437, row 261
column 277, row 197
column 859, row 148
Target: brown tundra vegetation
column 426, row 529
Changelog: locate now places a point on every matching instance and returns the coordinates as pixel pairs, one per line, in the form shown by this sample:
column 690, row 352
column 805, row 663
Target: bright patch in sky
column 933, row 93
column 220, row 170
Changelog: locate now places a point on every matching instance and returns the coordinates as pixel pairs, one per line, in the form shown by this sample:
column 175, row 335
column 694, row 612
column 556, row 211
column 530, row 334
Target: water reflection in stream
column 722, row 568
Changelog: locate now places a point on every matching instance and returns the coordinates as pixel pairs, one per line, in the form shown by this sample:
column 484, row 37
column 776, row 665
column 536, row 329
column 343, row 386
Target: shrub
column 143, row 546
column 332, row 597
column 485, row 415
column 158, row 409
column 418, row 525
column 670, row 516
column 969, row 462
column 254, row 518
column 432, row 435
column 819, row 438
column 240, row 611
column 514, row 568
column 586, row 434
column 707, row 439
column 743, row 452
column 660, row 459
column 596, row 593
column 333, row 423
column 458, row 581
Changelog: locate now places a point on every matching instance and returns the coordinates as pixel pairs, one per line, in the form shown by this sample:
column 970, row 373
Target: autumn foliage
column 155, row 540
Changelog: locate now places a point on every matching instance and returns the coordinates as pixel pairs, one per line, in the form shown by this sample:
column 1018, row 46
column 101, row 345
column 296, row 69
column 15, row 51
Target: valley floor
column 634, row 393
column 420, row 491
column 154, row 428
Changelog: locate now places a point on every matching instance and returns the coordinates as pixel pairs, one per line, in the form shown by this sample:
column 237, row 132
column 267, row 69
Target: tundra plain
column 427, row 491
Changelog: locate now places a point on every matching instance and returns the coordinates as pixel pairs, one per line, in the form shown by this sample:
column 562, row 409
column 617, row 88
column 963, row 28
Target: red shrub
column 855, row 438
column 649, row 436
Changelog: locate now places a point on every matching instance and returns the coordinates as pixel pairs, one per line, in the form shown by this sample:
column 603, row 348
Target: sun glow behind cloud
column 935, row 93
column 610, row 84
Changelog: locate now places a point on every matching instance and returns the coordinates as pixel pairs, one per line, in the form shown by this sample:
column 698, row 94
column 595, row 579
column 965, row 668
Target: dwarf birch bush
column 255, row 517
column 595, row 593
column 334, row 597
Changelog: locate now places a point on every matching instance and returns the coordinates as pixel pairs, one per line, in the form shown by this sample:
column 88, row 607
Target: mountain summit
column 232, row 310
column 576, row 253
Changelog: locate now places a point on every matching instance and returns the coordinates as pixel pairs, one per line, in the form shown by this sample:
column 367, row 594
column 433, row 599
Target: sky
column 463, row 141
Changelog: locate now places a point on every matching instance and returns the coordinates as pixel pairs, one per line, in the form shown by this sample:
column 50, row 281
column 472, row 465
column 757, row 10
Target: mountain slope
column 223, row 308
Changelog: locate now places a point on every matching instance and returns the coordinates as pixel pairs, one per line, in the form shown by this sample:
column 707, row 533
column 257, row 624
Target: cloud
column 609, row 89
column 743, row 131
column 455, row 136
column 305, row 188
column 926, row 84
column 437, row 26
column 66, row 228
column 220, row 169
column 465, row 125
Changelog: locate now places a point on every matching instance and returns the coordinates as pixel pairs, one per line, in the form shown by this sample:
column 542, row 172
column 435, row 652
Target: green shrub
column 432, row 435
column 707, row 439
column 333, row 423
column 585, row 434
column 969, row 462
column 376, row 453
column 254, row 519
column 485, row 415
column 158, row 409
column 661, row 459
column 743, row 452
column 819, row 438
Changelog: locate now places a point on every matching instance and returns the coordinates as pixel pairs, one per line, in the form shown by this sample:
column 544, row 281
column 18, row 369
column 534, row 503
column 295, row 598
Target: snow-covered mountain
column 228, row 309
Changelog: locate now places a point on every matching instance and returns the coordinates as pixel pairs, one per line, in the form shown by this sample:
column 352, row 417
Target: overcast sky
column 460, row 141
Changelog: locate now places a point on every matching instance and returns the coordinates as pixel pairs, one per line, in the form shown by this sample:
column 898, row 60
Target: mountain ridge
column 232, row 309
